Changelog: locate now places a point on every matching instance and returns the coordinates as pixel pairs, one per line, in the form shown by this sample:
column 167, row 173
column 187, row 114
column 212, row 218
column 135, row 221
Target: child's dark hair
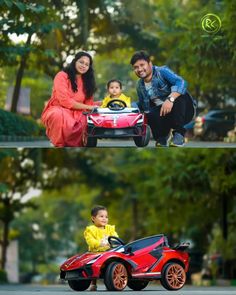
column 114, row 80
column 139, row 55
column 95, row 210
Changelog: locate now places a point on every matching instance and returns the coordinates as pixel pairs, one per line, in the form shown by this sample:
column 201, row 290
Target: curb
column 12, row 138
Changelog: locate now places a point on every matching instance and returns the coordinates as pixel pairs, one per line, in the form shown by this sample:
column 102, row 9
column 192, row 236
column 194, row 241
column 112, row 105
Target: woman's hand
column 82, row 106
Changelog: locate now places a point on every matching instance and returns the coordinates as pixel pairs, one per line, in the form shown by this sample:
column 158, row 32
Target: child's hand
column 104, row 242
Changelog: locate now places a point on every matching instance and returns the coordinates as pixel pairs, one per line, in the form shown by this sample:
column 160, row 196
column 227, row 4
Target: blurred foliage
column 3, row 276
column 16, row 125
column 18, row 175
column 170, row 30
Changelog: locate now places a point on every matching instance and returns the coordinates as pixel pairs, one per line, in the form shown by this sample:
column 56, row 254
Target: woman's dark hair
column 139, row 55
column 95, row 210
column 88, row 78
column 114, row 80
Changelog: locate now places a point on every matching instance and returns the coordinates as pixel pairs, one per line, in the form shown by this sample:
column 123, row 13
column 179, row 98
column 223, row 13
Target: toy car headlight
column 140, row 121
column 93, row 260
column 90, row 121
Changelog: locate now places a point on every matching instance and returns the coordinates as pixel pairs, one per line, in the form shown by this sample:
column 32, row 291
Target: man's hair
column 114, row 80
column 139, row 55
column 95, row 210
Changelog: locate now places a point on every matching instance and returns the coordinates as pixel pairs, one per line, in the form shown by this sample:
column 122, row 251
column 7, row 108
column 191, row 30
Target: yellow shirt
column 94, row 235
column 123, row 97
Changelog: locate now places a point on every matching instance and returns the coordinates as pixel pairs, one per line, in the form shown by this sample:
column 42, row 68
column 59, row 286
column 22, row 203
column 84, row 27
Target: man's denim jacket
column 164, row 81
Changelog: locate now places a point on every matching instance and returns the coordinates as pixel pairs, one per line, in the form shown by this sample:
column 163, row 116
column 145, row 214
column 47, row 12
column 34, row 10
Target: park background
column 38, row 38
column 46, row 196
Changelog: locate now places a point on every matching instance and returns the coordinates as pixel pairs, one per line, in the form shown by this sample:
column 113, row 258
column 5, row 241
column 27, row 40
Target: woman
column 72, row 93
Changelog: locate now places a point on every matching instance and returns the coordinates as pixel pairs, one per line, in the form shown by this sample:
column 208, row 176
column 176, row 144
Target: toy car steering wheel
column 115, row 241
column 116, row 104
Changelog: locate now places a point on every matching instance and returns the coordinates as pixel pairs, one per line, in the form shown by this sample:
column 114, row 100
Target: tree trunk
column 19, row 76
column 83, row 7
column 134, row 217
column 224, row 217
column 4, row 244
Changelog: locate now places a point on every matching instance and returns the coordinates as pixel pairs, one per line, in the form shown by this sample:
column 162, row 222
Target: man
column 164, row 98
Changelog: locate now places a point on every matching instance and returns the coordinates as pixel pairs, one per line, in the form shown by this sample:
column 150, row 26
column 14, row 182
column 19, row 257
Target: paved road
column 117, row 143
column 150, row 290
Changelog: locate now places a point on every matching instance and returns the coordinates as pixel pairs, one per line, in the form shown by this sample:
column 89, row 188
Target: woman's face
column 82, row 65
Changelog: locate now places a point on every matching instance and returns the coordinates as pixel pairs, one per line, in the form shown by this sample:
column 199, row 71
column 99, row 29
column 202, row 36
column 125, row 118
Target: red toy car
column 132, row 265
column 117, row 121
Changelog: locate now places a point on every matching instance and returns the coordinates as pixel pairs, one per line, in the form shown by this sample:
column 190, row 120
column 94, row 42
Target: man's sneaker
column 177, row 140
column 162, row 141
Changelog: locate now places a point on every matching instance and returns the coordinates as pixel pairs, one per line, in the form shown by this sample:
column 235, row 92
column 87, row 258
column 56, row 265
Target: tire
column 116, row 276
column 79, row 285
column 137, row 285
column 142, row 141
column 91, row 142
column 173, row 276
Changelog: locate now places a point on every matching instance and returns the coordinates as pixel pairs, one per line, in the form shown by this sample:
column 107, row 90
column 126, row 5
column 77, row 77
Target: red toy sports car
column 132, row 265
column 117, row 121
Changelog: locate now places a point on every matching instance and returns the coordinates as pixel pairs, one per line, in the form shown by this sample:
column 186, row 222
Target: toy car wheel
column 91, row 142
column 79, row 285
column 116, row 276
column 142, row 141
column 137, row 285
column 173, row 276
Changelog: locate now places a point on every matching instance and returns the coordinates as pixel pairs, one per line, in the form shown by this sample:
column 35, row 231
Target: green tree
column 18, row 175
column 19, row 18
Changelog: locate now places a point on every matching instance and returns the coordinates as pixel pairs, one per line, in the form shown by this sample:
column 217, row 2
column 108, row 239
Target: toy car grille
column 114, row 132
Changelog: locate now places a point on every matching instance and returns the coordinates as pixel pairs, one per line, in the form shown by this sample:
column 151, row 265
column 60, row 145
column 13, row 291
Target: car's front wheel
column 137, row 285
column 116, row 276
column 173, row 276
column 143, row 140
column 79, row 285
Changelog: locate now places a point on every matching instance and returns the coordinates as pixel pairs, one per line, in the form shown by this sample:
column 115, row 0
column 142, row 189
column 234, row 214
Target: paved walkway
column 113, row 143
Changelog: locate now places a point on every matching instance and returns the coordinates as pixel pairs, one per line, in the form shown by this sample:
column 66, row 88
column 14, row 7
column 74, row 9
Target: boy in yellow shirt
column 96, row 235
column 114, row 88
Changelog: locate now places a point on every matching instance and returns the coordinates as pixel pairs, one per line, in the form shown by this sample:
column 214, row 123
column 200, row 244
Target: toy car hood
column 78, row 261
column 112, row 119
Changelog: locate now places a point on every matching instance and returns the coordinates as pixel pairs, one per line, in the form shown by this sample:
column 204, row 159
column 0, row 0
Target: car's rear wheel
column 91, row 142
column 116, row 276
column 79, row 285
column 137, row 285
column 142, row 141
column 173, row 276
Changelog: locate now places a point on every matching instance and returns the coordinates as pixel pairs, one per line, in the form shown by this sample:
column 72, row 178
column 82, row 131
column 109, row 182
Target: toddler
column 114, row 88
column 96, row 235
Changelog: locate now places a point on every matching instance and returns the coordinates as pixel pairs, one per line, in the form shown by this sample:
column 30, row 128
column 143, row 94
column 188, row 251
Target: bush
column 17, row 125
column 3, row 276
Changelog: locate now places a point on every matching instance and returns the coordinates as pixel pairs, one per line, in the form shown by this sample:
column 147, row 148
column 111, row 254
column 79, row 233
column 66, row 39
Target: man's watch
column 171, row 99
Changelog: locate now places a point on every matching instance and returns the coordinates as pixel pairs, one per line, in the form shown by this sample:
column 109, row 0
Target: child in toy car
column 96, row 235
column 114, row 89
